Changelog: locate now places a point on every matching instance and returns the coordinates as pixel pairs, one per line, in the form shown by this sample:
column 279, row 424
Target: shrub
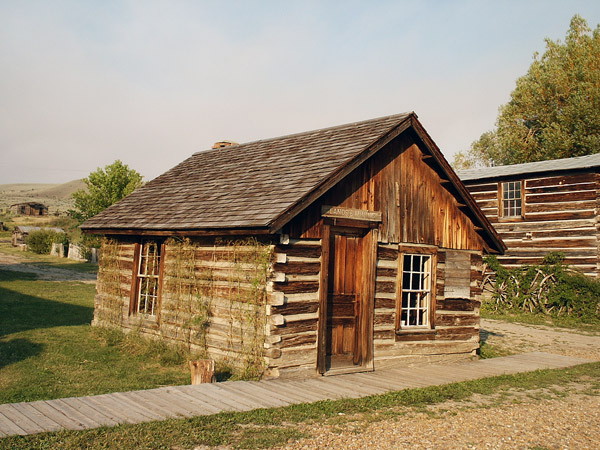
column 40, row 241
column 548, row 288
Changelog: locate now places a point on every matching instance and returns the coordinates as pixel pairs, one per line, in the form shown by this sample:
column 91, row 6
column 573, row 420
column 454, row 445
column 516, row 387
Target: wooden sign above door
column 336, row 212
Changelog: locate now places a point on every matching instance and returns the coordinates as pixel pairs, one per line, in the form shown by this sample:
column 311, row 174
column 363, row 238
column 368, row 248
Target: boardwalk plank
column 89, row 412
column 130, row 411
column 9, row 427
column 186, row 401
column 20, row 420
column 41, row 419
column 57, row 416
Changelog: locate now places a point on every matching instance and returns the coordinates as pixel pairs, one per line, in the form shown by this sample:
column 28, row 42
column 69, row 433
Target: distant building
column 29, row 209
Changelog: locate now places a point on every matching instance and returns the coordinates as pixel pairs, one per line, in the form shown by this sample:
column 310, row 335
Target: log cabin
column 29, row 209
column 330, row 251
column 542, row 207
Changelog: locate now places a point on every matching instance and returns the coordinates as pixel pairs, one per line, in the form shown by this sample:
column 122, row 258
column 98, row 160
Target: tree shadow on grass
column 21, row 312
column 16, row 350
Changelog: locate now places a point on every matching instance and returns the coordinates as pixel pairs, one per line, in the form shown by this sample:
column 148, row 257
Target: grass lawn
column 49, row 350
column 264, row 428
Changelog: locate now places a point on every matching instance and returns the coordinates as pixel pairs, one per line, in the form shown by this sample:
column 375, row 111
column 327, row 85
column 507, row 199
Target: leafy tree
column 554, row 111
column 104, row 188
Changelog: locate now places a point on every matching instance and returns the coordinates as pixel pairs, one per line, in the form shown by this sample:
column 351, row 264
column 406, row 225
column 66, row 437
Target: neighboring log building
column 29, row 209
column 542, row 207
column 327, row 251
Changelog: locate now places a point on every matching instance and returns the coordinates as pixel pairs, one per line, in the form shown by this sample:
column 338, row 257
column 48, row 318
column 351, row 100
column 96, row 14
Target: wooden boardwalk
column 79, row 413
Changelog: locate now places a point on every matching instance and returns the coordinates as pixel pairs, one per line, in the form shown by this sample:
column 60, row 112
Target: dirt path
column 518, row 338
column 18, row 264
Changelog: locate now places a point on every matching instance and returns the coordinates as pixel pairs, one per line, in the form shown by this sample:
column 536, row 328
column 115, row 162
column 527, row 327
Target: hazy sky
column 83, row 83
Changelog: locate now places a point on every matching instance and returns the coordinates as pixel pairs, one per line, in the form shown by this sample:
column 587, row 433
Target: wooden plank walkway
column 79, row 413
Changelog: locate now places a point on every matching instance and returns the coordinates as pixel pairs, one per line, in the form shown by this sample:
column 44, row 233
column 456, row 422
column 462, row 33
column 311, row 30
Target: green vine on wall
column 237, row 274
column 109, row 271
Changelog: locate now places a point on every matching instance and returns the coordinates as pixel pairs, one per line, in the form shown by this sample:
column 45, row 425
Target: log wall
column 455, row 327
column 560, row 214
column 211, row 302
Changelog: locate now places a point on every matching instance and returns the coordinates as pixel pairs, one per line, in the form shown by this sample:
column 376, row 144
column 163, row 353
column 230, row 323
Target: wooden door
column 344, row 298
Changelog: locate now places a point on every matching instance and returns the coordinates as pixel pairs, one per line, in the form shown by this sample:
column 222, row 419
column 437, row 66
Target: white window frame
column 148, row 278
column 417, row 315
column 511, row 204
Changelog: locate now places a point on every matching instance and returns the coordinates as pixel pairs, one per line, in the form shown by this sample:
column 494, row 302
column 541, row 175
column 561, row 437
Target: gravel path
column 17, row 264
column 572, row 422
column 523, row 420
column 518, row 338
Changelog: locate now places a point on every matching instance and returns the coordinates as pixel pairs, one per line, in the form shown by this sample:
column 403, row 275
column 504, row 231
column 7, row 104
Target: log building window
column 415, row 288
column 512, row 200
column 147, row 279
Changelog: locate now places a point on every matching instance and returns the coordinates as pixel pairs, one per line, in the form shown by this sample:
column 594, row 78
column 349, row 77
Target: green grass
column 267, row 427
column 49, row 350
column 541, row 319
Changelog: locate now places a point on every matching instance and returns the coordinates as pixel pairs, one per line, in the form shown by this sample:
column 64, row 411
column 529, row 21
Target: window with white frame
column 146, row 301
column 512, row 199
column 415, row 290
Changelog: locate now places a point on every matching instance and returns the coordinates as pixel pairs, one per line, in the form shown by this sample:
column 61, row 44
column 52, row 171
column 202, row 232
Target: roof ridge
column 301, row 133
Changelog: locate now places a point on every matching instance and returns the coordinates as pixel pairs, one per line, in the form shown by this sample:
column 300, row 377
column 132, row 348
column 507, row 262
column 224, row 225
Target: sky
column 83, row 83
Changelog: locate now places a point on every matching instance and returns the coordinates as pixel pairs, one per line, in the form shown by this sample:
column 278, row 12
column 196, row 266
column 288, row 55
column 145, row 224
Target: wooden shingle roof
column 262, row 185
column 553, row 165
column 247, row 185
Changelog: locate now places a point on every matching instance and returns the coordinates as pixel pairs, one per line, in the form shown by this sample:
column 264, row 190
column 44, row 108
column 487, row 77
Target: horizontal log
column 580, row 232
column 457, row 305
column 456, row 333
column 387, row 253
column 386, row 272
column 456, row 319
column 298, row 340
column 590, row 260
column 385, row 303
column 298, row 268
column 298, row 326
column 550, row 225
column 384, row 334
column 305, row 251
column 559, row 216
column 296, row 308
column 579, row 252
column 384, row 318
column 561, row 188
column 385, row 286
column 550, row 244
column 292, row 287
column 560, row 197
column 562, row 180
column 485, row 187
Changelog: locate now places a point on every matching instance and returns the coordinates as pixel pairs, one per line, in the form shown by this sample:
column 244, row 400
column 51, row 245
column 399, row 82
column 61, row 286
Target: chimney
column 223, row 144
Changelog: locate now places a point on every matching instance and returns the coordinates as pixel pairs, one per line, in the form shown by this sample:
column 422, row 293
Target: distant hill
column 56, row 196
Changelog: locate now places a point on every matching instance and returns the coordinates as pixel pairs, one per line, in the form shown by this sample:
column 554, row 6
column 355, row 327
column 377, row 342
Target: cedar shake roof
column 262, row 185
column 246, row 185
column 554, row 165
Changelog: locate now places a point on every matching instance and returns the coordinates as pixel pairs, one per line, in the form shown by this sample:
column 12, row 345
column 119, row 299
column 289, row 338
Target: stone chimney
column 223, row 144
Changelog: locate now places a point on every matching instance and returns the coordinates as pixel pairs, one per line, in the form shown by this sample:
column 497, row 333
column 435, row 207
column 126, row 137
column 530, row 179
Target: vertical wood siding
column 416, row 206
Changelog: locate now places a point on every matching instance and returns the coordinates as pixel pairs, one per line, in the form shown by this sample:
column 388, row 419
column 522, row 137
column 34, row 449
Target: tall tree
column 554, row 111
column 104, row 188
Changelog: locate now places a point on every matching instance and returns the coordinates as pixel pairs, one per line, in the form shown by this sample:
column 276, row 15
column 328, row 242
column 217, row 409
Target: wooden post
column 203, row 371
